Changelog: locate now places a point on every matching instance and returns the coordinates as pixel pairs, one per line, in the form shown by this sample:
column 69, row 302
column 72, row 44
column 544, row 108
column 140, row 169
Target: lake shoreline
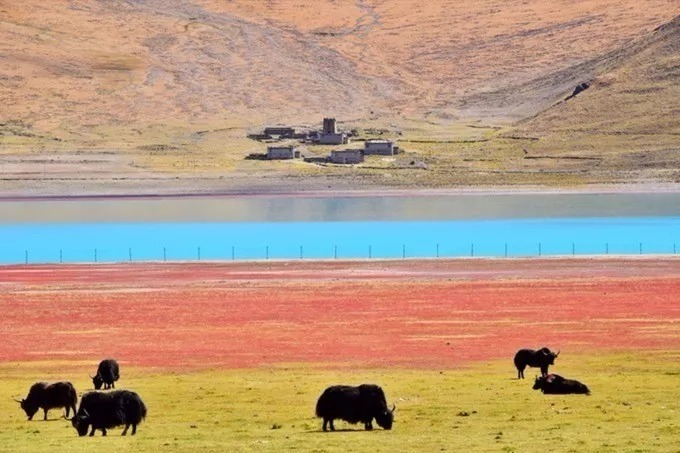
column 373, row 192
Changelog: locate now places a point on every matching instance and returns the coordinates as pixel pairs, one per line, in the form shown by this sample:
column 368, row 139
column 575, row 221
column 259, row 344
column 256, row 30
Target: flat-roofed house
column 380, row 147
column 333, row 139
column 281, row 152
column 280, row 131
column 347, row 156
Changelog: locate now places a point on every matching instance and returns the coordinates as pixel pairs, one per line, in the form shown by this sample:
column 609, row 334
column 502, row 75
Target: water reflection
column 348, row 208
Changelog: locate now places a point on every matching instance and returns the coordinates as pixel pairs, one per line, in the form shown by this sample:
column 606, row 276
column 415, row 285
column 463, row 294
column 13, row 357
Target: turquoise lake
column 258, row 228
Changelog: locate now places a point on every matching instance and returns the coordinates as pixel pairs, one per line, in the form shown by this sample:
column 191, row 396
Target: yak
column 49, row 396
column 542, row 359
column 353, row 405
column 554, row 384
column 107, row 374
column 103, row 410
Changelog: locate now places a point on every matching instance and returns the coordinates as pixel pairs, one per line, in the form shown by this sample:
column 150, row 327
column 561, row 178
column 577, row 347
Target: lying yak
column 103, row 410
column 107, row 374
column 49, row 396
column 542, row 359
column 354, row 405
column 554, row 384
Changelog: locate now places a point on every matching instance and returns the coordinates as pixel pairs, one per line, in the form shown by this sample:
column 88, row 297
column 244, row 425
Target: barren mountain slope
column 629, row 117
column 441, row 52
column 74, row 65
column 151, row 93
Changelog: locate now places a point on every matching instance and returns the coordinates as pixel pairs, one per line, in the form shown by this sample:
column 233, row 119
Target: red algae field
column 423, row 314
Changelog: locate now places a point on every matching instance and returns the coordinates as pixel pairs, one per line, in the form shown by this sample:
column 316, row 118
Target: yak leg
column 325, row 422
column 520, row 372
column 103, row 431
column 45, row 418
column 332, row 425
column 368, row 426
column 92, row 432
column 125, row 430
column 544, row 370
column 134, row 429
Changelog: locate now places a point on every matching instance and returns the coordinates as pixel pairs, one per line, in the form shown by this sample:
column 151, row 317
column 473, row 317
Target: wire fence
column 215, row 252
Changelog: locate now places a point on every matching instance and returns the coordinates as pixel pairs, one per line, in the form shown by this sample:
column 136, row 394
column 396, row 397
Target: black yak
column 49, row 396
column 542, row 359
column 554, row 384
column 103, row 410
column 354, row 405
column 107, row 374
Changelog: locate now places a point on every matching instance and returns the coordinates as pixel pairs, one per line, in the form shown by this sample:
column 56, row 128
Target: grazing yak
column 354, row 405
column 103, row 410
column 542, row 359
column 107, row 374
column 554, row 384
column 49, row 396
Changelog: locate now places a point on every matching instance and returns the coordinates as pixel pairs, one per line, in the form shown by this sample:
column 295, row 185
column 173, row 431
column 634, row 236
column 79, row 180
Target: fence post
column 165, row 255
column 606, row 248
column 130, row 253
column 335, row 252
column 369, row 251
column 573, row 248
column 539, row 249
column 95, row 255
column 300, row 252
column 233, row 254
column 26, row 256
column 199, row 253
column 61, row 256
column 640, row 248
column 673, row 248
column 472, row 249
column 437, row 250
column 506, row 249
column 266, row 252
column 403, row 250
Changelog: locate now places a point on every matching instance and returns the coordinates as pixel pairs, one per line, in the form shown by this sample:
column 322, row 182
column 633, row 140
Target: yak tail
column 142, row 409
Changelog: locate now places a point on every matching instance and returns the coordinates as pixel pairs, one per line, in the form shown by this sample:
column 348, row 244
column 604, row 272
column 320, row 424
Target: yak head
column 97, row 381
column 385, row 418
column 81, row 422
column 549, row 355
column 29, row 406
column 539, row 383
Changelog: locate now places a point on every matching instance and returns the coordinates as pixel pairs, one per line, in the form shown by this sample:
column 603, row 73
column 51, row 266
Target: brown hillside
column 629, row 118
column 153, row 91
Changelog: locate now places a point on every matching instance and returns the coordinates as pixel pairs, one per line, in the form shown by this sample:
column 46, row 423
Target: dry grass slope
column 157, row 95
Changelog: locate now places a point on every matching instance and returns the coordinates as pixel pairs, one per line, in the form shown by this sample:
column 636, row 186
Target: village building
column 334, row 139
column 282, row 152
column 380, row 147
column 330, row 135
column 347, row 156
column 280, row 131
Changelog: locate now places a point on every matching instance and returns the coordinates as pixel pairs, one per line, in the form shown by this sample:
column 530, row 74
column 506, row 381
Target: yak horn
column 394, row 407
column 18, row 401
column 558, row 353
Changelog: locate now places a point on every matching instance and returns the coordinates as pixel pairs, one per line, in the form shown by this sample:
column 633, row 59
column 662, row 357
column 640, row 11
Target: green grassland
column 635, row 406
